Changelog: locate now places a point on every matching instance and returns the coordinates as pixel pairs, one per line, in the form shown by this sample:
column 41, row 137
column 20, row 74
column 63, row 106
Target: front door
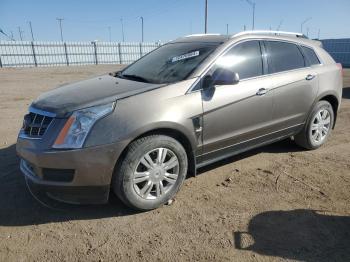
column 239, row 115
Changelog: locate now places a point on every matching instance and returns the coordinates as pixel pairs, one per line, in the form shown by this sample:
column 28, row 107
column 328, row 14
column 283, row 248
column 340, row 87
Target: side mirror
column 223, row 76
column 207, row 82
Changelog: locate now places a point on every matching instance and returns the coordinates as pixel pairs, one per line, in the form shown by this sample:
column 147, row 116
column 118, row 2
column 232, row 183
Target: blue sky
column 167, row 19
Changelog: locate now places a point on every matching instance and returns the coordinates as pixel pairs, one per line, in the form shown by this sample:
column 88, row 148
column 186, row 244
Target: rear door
column 294, row 84
column 235, row 114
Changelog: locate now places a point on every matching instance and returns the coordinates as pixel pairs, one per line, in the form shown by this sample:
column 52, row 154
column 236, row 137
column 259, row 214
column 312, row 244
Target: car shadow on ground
column 302, row 235
column 346, row 92
column 19, row 208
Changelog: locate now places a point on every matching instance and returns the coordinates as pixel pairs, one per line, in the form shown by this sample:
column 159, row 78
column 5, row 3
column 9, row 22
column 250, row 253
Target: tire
column 306, row 138
column 144, row 161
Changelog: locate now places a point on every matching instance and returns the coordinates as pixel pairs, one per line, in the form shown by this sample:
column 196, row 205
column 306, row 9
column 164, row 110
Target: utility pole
column 318, row 34
column 141, row 28
column 20, row 33
column 226, row 29
column 253, row 16
column 279, row 25
column 302, row 23
column 252, row 4
column 206, row 17
column 244, row 28
column 307, row 32
column 121, row 21
column 109, row 34
column 31, row 30
column 60, row 23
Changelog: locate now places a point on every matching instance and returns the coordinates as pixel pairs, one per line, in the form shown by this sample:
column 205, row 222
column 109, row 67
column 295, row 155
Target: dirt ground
column 274, row 203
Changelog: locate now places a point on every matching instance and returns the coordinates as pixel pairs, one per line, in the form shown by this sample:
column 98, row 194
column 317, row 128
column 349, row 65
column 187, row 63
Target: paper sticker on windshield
column 185, row 56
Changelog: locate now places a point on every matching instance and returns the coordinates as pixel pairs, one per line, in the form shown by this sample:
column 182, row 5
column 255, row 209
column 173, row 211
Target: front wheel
column 318, row 126
column 151, row 173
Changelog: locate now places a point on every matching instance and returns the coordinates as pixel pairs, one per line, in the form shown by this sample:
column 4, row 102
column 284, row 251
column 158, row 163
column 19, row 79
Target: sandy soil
column 274, row 203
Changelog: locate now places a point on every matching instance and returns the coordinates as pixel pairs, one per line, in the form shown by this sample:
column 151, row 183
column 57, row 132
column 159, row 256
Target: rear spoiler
column 318, row 42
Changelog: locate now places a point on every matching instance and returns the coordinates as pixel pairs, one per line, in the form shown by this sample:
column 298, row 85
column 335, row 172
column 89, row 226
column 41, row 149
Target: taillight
column 340, row 68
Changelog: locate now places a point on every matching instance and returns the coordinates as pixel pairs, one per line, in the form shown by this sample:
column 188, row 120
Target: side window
column 283, row 56
column 310, row 56
column 244, row 59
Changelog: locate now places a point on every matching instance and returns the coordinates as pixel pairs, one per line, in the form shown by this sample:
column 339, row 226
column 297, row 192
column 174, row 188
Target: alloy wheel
column 320, row 126
column 156, row 173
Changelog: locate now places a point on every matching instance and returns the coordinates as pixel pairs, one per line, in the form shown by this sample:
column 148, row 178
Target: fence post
column 120, row 53
column 66, row 53
column 34, row 56
column 0, row 62
column 140, row 49
column 95, row 52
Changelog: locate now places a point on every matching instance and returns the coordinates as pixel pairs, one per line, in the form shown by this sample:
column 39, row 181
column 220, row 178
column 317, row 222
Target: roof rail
column 271, row 32
column 200, row 35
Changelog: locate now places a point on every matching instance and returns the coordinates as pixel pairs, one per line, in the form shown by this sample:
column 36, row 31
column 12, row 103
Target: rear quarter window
column 310, row 55
column 283, row 56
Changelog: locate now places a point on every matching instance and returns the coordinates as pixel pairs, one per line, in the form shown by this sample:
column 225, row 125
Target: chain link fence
column 37, row 53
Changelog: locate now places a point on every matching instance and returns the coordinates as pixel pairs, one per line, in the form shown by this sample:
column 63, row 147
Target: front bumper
column 80, row 176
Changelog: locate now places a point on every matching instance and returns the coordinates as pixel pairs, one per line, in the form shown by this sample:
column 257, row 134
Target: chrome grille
column 35, row 125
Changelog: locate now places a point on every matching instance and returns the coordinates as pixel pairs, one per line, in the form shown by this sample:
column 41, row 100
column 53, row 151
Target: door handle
column 262, row 91
column 309, row 77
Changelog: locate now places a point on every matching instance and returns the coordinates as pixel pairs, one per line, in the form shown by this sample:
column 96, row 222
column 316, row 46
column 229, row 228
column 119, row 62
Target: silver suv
column 189, row 103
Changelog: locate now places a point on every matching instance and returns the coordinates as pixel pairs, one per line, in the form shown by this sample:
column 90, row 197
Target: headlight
column 78, row 126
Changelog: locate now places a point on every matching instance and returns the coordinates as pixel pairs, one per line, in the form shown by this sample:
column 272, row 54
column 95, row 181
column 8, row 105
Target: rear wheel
column 151, row 173
column 318, row 126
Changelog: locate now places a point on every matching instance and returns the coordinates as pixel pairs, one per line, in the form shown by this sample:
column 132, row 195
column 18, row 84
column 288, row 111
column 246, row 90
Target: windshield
column 169, row 63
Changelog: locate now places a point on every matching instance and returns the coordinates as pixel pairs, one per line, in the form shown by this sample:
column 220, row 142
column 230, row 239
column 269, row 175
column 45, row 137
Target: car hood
column 103, row 89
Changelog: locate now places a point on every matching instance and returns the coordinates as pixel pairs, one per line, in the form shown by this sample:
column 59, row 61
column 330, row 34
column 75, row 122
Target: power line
column 60, row 23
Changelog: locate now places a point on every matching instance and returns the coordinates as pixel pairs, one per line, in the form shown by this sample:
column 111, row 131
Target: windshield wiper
column 134, row 77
